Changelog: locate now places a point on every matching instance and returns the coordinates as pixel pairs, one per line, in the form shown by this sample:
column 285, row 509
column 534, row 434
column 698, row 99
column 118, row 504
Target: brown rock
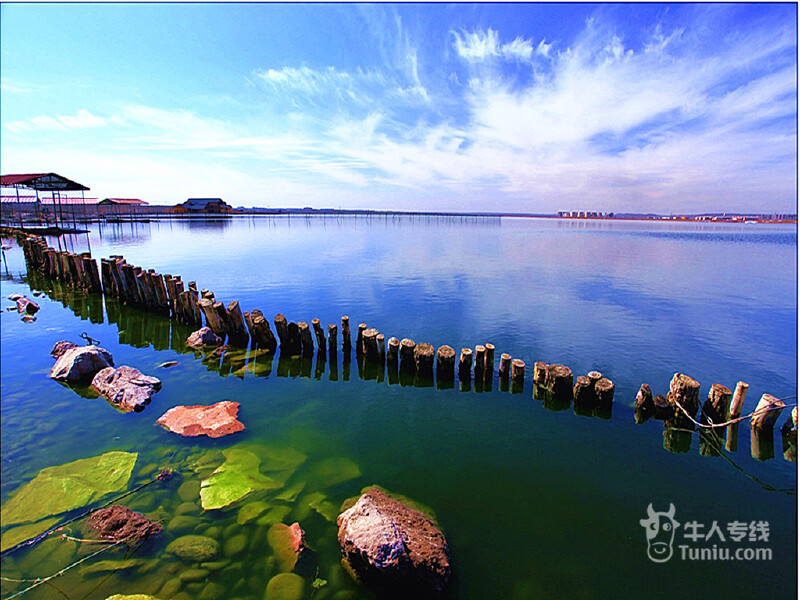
column 203, row 337
column 25, row 306
column 119, row 523
column 61, row 347
column 80, row 362
column 288, row 543
column 126, row 387
column 214, row 421
column 398, row 551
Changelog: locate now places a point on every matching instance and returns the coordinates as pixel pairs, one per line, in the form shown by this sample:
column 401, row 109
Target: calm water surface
column 535, row 503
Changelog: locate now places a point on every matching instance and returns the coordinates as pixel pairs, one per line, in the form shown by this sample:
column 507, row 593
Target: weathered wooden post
column 381, row 348
column 407, row 364
column 332, row 333
column 583, row 393
column 683, row 394
column 260, row 332
column 360, row 339
column 212, row 317
column 346, row 333
column 369, row 342
column 716, row 406
column 505, row 366
column 320, row 334
column 480, row 361
column 306, row 341
column 423, row 360
column 282, row 329
column 238, row 332
column 393, row 354
column 643, row 408
column 767, row 412
column 465, row 364
column 735, row 410
column 604, row 391
column 518, row 371
column 445, row 364
column 488, row 364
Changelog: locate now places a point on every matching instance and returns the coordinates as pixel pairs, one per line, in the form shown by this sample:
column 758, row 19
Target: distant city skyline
column 527, row 108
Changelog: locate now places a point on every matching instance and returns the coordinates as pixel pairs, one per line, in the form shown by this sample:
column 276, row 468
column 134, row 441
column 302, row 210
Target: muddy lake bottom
column 535, row 500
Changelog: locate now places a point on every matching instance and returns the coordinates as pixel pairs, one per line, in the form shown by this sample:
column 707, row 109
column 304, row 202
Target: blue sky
column 512, row 107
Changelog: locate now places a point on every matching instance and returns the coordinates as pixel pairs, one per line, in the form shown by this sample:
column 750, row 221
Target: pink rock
column 61, row 347
column 27, row 306
column 126, row 387
column 203, row 337
column 80, row 362
column 214, row 421
column 394, row 548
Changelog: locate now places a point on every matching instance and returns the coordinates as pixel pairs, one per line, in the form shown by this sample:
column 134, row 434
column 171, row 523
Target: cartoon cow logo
column 660, row 530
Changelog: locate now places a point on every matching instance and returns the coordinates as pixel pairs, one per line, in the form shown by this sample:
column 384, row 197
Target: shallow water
column 535, row 503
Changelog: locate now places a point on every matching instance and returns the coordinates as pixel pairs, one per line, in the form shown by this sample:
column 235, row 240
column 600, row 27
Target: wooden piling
column 643, row 407
column 306, row 341
column 558, row 379
column 539, row 373
column 369, row 344
column 445, row 363
column 360, row 339
column 604, row 390
column 346, row 332
column 583, row 392
column 480, row 359
column 238, row 331
column 380, row 338
column 332, row 333
column 518, row 371
column 319, row 333
column 465, row 363
column 212, row 317
column 683, row 392
column 423, row 360
column 505, row 366
column 281, row 327
column 393, row 353
column 488, row 361
column 407, row 364
column 716, row 405
column 767, row 412
column 735, row 410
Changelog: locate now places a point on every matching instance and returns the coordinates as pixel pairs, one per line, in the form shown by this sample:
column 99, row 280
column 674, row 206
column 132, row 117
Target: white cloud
column 83, row 119
column 479, row 46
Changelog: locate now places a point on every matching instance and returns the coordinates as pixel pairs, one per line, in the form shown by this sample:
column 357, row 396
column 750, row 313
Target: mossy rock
column 236, row 478
column 333, row 471
column 235, row 545
column 291, row 493
column 285, row 586
column 195, row 548
column 56, row 490
column 418, row 506
column 251, row 510
column 111, row 566
column 321, row 505
column 189, row 490
column 276, row 514
column 212, row 591
column 192, row 575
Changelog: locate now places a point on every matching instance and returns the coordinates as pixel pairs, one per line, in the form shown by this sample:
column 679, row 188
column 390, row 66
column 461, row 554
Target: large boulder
column 214, row 421
column 126, row 387
column 203, row 337
column 394, row 549
column 80, row 363
column 61, row 347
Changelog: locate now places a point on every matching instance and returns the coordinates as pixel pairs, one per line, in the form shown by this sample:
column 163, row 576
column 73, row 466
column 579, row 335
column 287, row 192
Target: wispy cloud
column 475, row 46
column 83, row 119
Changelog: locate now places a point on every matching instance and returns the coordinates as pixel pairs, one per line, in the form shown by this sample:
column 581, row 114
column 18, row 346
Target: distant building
column 204, row 205
column 126, row 202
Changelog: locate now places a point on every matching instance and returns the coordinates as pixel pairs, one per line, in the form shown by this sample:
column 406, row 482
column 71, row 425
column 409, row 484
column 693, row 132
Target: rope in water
column 711, row 425
column 162, row 475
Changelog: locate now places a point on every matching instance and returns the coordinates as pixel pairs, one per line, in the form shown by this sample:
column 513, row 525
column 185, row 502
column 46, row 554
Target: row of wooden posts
column 167, row 295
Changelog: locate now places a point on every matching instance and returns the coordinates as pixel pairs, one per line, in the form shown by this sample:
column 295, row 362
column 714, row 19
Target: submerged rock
column 286, row 586
column 396, row 550
column 288, row 543
column 214, row 421
column 203, row 337
column 126, row 387
column 195, row 548
column 119, row 523
column 80, row 362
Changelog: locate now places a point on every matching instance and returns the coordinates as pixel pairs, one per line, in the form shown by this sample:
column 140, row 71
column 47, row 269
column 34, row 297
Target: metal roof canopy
column 46, row 182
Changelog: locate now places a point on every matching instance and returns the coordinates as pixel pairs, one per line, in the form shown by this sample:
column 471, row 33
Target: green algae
column 274, row 515
column 319, row 503
column 56, row 490
column 20, row 534
column 291, row 493
column 251, row 510
column 112, row 566
column 197, row 548
column 236, row 478
column 333, row 471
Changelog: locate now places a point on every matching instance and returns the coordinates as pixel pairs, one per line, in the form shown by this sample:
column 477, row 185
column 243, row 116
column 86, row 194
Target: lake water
column 534, row 502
